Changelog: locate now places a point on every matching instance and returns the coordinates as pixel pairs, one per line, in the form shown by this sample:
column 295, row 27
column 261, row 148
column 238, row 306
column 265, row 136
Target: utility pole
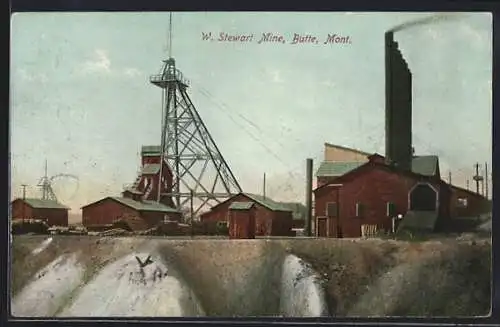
column 24, row 201
column 467, row 184
column 482, row 185
column 449, row 177
column 264, row 187
column 486, row 180
column 192, row 212
column 309, row 174
column 477, row 178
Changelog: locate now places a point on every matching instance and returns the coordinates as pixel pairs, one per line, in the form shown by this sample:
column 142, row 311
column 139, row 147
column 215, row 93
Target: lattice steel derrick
column 189, row 150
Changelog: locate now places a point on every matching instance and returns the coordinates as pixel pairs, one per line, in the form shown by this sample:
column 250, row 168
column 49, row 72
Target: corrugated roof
column 241, row 205
column 44, row 204
column 149, row 169
column 151, row 149
column 336, row 168
column 422, row 165
column 267, row 202
column 419, row 220
column 299, row 210
column 144, row 205
column 425, row 165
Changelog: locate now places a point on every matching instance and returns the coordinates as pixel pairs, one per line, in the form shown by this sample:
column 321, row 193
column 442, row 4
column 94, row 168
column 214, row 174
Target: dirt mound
column 243, row 277
column 385, row 277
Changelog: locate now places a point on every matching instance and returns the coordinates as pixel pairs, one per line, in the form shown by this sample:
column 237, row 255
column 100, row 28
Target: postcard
column 243, row 164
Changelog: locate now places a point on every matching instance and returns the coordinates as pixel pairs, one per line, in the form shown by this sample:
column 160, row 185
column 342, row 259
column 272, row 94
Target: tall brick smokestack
column 398, row 106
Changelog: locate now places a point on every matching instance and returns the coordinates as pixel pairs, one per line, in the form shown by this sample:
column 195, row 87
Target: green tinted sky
column 81, row 97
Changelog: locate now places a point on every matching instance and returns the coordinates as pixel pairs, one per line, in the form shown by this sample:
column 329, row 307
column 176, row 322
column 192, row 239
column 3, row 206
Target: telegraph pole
column 264, row 187
column 192, row 212
column 482, row 185
column 24, row 201
column 486, row 178
column 477, row 178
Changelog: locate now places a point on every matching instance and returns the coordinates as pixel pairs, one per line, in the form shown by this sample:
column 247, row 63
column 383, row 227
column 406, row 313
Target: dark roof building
column 329, row 170
column 242, row 220
column 54, row 213
column 373, row 193
column 111, row 209
column 272, row 218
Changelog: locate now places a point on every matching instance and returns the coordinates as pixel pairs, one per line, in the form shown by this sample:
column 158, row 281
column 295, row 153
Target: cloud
column 433, row 34
column 477, row 38
column 328, row 83
column 132, row 72
column 30, row 77
column 276, row 76
column 100, row 63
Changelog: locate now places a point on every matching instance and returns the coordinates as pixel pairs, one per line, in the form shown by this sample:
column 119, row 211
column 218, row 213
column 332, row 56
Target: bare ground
column 241, row 278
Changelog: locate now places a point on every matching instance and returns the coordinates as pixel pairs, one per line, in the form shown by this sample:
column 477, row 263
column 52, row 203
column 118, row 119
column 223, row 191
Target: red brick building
column 54, row 213
column 271, row 217
column 108, row 210
column 372, row 194
column 328, row 171
column 465, row 203
column 242, row 220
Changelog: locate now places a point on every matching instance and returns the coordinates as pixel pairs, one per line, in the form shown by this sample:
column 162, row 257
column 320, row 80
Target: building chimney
column 398, row 106
column 309, row 177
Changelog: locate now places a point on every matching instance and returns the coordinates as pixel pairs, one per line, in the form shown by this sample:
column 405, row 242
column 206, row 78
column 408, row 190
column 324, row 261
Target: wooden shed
column 242, row 220
column 111, row 209
column 271, row 218
column 54, row 213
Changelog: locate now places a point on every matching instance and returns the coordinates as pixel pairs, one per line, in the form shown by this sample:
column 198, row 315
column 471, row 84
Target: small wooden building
column 242, row 220
column 111, row 209
column 54, row 213
column 271, row 217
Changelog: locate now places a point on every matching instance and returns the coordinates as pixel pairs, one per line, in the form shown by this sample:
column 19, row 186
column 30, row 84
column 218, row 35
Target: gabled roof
column 425, row 165
column 241, row 205
column 139, row 205
column 375, row 165
column 299, row 210
column 150, row 169
column 346, row 148
column 151, row 150
column 419, row 220
column 267, row 202
column 43, row 204
column 133, row 191
column 144, row 205
column 336, row 168
column 454, row 187
column 422, row 165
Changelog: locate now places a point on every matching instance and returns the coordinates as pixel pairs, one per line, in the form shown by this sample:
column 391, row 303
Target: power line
column 223, row 107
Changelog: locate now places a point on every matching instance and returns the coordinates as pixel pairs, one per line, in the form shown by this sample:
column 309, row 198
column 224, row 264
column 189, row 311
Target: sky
column 81, row 97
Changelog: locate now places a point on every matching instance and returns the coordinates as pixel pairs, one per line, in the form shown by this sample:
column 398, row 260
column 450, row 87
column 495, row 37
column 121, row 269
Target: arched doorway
column 423, row 197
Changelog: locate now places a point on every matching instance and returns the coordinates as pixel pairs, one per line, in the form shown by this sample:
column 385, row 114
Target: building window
column 360, row 208
column 331, row 209
column 391, row 209
column 462, row 202
column 223, row 223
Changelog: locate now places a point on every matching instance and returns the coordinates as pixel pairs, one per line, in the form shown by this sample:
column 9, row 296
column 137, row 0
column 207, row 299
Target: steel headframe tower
column 199, row 170
column 45, row 185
